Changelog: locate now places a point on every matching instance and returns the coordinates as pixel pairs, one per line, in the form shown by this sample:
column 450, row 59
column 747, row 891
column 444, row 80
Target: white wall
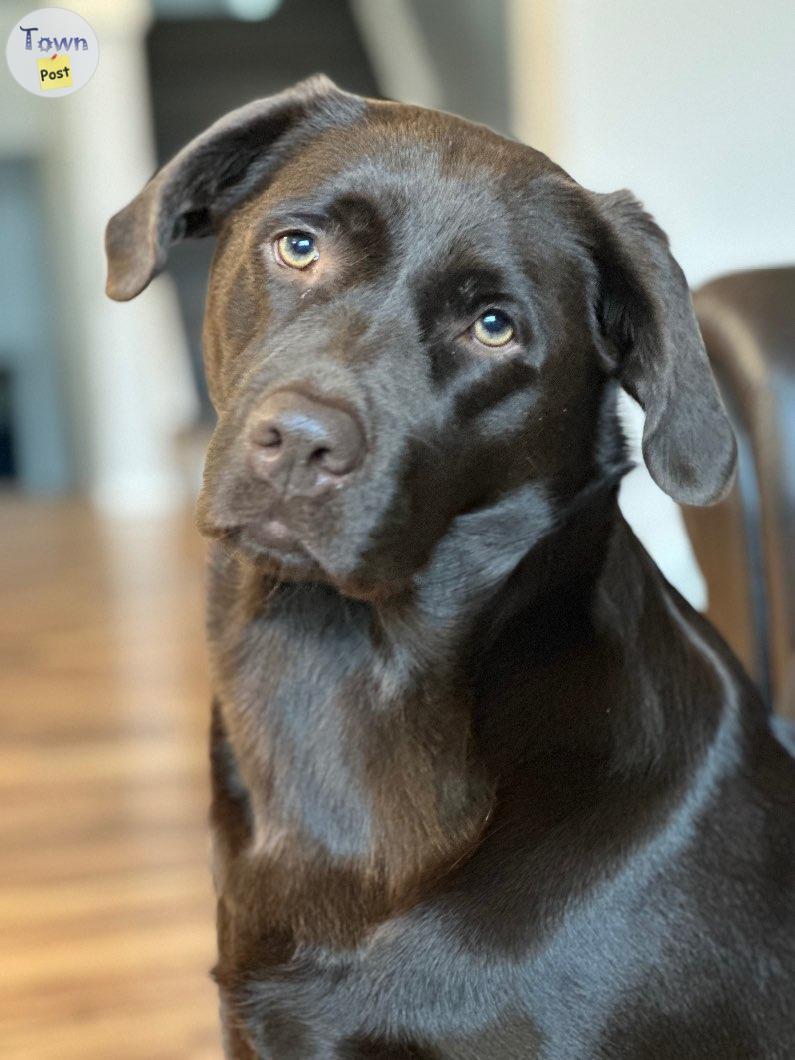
column 690, row 103
column 126, row 366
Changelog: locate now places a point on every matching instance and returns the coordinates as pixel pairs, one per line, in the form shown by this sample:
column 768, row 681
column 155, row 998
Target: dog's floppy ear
column 212, row 174
column 652, row 342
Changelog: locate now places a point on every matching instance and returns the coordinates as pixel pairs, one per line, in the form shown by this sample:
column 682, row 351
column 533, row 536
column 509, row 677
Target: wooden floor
column 106, row 911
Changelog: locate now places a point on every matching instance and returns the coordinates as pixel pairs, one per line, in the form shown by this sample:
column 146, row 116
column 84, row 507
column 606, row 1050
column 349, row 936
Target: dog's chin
column 271, row 548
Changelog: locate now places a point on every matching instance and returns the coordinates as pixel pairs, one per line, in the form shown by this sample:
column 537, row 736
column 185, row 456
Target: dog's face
column 397, row 332
column 410, row 317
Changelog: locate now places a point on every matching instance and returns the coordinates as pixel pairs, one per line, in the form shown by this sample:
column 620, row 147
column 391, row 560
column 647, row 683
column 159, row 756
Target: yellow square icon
column 55, row 72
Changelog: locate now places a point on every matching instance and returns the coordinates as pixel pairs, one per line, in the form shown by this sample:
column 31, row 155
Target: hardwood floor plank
column 106, row 905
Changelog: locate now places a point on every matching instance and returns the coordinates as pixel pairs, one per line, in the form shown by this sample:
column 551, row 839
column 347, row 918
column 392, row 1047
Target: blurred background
column 105, row 897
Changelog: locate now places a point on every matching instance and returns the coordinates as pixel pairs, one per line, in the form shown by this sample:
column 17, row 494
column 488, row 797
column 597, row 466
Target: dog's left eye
column 493, row 328
column 297, row 250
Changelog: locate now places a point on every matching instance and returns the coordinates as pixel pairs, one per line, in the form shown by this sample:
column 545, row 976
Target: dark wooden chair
column 746, row 544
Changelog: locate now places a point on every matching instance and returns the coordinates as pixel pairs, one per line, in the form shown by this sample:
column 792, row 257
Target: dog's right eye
column 493, row 328
column 297, row 250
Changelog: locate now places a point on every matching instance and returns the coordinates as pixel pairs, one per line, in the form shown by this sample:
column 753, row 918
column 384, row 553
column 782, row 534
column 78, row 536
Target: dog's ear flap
column 651, row 340
column 211, row 175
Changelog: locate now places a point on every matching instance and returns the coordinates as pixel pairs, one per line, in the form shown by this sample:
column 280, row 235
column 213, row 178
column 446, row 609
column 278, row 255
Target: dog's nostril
column 266, row 434
column 270, row 438
column 339, row 460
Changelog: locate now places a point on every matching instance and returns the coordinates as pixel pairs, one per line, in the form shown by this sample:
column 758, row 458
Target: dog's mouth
column 272, row 546
column 266, row 540
column 271, row 535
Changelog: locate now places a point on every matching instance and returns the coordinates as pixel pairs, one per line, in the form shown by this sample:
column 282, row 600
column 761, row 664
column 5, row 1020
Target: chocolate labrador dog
column 485, row 786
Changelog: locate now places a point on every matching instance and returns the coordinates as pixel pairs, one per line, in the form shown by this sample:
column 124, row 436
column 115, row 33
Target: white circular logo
column 52, row 52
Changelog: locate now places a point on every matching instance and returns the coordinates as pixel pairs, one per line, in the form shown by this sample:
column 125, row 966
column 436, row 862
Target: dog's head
column 409, row 318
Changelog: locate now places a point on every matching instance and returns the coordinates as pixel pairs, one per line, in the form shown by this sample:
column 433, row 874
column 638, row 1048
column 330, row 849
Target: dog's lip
column 266, row 531
column 272, row 534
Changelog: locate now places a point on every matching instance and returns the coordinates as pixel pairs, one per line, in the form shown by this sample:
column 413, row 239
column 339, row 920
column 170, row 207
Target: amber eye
column 493, row 328
column 298, row 250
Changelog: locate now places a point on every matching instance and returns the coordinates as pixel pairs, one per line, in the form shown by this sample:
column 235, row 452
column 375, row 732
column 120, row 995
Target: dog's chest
column 342, row 797
column 403, row 993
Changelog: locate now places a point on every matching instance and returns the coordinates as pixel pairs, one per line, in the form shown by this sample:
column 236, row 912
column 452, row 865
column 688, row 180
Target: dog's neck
column 373, row 739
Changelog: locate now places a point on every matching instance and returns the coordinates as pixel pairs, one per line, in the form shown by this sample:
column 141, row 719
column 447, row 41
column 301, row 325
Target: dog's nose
column 302, row 446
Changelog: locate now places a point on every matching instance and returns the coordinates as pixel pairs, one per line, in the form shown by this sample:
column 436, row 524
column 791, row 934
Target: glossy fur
column 485, row 786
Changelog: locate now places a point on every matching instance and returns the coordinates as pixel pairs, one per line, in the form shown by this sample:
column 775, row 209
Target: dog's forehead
column 428, row 171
